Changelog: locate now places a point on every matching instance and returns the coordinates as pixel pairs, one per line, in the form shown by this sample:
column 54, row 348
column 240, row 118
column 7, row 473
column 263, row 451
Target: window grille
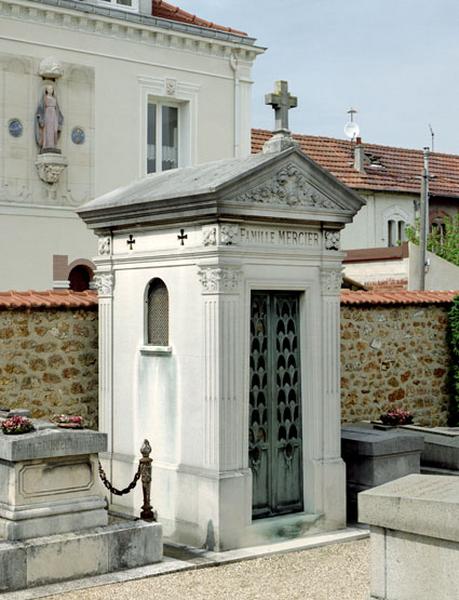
column 158, row 314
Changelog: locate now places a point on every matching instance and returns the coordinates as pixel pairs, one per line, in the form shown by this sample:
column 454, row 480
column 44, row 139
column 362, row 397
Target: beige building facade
column 137, row 93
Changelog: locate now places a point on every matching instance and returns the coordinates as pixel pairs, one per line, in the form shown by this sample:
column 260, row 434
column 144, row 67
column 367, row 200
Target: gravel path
column 337, row 572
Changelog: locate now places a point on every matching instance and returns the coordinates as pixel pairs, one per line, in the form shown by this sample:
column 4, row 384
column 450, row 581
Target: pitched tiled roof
column 386, row 168
column 48, row 299
column 398, row 297
column 164, row 10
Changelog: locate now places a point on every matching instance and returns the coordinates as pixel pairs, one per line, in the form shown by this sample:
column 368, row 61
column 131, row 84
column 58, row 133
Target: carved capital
column 104, row 283
column 104, row 246
column 217, row 280
column 332, row 240
column 331, row 280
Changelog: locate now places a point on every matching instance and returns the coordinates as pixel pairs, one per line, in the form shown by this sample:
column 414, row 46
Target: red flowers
column 16, row 425
column 397, row 416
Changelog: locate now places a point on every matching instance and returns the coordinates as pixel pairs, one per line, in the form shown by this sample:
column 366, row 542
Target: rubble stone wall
column 48, row 361
column 394, row 356
column 391, row 356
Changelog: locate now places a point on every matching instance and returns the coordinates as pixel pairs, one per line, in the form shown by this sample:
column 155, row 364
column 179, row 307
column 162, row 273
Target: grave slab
column 49, row 483
column 414, row 524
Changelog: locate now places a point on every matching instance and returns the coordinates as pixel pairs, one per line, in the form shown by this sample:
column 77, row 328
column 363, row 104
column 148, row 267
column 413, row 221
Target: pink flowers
column 74, row 422
column 397, row 416
column 16, row 425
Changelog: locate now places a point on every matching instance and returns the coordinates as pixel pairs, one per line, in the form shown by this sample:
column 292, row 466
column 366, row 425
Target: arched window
column 157, row 314
column 79, row 278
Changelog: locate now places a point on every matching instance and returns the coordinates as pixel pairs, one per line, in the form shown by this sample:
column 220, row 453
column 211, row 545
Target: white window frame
column 114, row 4
column 159, row 131
column 397, row 215
column 184, row 96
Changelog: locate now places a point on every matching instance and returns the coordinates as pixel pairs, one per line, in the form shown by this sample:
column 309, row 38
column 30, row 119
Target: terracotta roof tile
column 165, row 10
column 397, row 297
column 387, row 168
column 387, row 285
column 47, row 299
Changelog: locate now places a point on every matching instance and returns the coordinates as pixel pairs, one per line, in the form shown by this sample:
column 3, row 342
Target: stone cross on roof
column 281, row 101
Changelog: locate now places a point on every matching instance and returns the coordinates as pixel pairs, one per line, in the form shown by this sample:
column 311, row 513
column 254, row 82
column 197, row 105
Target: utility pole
column 424, row 221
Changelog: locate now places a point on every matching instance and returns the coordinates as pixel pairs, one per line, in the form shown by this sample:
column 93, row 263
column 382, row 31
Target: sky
column 395, row 61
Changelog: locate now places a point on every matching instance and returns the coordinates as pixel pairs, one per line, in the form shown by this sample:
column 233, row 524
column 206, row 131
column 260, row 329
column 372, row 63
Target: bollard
column 147, row 513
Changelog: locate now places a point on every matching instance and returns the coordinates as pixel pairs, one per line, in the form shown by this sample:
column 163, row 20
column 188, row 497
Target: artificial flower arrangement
column 68, row 421
column 16, row 425
column 397, row 416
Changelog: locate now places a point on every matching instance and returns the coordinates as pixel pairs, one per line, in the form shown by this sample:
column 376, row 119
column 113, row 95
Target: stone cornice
column 89, row 18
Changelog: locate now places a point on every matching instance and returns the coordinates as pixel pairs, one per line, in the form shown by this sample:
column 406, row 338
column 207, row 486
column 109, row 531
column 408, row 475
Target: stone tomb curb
column 196, row 559
column 72, row 555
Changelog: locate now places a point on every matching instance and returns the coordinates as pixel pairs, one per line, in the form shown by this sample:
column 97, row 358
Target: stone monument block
column 49, row 483
column 375, row 456
column 414, row 525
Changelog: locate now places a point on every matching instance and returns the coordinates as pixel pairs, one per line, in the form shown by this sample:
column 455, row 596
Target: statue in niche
column 48, row 121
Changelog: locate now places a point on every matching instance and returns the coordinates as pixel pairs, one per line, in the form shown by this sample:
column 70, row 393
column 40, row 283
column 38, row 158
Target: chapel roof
column 165, row 10
column 387, row 168
column 70, row 299
column 287, row 185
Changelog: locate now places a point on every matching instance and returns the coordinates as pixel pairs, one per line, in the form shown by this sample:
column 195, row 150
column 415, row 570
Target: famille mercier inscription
column 282, row 237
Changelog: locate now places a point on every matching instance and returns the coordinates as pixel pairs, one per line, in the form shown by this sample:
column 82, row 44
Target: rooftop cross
column 281, row 101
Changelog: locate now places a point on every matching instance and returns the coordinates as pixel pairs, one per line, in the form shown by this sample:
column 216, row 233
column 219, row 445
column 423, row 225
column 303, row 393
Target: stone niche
column 27, row 177
column 191, row 261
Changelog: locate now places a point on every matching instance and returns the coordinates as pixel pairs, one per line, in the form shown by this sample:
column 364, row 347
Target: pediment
column 290, row 187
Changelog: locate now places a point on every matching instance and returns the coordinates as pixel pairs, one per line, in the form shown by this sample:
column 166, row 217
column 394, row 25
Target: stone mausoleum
column 219, row 341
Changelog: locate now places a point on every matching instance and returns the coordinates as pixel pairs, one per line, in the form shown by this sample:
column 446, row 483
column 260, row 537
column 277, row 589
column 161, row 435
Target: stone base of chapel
column 207, row 509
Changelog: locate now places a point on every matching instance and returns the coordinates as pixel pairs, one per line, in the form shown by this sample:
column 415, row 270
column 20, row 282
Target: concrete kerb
column 195, row 559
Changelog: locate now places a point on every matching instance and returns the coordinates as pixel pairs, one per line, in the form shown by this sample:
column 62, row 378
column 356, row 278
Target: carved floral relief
column 332, row 240
column 288, row 187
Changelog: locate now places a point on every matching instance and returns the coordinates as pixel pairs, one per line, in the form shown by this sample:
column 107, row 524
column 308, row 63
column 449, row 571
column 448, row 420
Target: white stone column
column 222, row 368
column 104, row 283
column 223, row 449
column 334, row 474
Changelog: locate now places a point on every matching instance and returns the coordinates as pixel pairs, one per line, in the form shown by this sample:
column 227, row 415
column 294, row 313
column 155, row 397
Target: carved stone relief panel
column 288, row 187
column 331, row 280
column 222, row 235
column 332, row 240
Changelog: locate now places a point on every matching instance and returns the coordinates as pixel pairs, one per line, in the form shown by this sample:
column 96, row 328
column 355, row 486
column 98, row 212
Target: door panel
column 275, row 444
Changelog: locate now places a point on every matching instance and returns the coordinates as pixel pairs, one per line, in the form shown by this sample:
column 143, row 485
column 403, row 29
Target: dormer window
column 130, row 5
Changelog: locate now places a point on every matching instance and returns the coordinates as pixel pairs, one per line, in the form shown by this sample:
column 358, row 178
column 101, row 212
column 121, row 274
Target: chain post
column 147, row 513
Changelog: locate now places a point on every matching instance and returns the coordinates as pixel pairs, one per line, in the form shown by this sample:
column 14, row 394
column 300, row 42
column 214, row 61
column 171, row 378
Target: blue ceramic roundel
column 78, row 135
column 15, row 127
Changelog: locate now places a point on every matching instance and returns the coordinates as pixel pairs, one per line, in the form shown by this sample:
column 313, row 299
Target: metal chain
column 112, row 489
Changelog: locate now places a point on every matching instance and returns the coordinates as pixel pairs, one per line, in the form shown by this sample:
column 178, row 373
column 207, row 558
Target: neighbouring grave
column 53, row 517
column 414, row 524
column 376, row 456
column 441, row 449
